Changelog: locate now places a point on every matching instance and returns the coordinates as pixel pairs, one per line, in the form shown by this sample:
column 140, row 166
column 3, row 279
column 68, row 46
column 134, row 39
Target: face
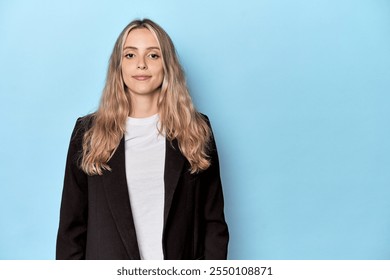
column 142, row 67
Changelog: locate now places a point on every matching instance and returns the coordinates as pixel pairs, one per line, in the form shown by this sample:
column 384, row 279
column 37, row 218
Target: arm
column 72, row 232
column 216, row 231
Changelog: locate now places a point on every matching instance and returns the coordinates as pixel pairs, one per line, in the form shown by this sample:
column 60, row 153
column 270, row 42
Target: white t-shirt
column 145, row 160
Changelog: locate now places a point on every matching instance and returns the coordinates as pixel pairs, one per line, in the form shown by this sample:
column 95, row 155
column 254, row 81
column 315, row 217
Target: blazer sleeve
column 72, row 232
column 216, row 230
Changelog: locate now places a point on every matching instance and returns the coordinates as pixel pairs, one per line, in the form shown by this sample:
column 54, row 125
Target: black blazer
column 96, row 220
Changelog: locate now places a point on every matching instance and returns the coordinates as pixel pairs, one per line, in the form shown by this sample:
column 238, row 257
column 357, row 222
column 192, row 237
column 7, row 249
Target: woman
column 142, row 174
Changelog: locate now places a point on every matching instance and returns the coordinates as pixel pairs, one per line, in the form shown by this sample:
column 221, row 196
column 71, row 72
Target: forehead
column 141, row 38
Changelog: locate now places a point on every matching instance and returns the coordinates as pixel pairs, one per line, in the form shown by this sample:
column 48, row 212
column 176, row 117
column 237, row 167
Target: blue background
column 297, row 92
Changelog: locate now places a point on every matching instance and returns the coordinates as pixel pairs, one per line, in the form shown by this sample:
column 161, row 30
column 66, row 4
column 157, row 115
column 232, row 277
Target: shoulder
column 86, row 121
column 83, row 124
column 205, row 118
column 211, row 146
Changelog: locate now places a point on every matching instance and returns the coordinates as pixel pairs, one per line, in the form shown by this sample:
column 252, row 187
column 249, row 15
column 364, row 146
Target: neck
column 143, row 106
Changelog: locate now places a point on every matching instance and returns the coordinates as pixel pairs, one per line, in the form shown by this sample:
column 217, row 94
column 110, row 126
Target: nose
column 141, row 64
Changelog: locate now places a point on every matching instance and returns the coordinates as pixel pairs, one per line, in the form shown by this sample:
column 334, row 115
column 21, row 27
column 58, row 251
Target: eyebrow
column 134, row 48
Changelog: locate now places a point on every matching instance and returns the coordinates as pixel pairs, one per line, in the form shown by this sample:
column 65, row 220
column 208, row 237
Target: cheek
column 126, row 73
column 160, row 78
column 161, row 74
column 126, row 78
column 125, row 69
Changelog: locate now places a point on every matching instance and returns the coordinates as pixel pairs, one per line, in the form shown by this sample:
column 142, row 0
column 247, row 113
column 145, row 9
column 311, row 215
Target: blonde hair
column 178, row 117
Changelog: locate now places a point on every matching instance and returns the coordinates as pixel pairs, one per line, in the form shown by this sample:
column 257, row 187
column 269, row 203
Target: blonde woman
column 142, row 175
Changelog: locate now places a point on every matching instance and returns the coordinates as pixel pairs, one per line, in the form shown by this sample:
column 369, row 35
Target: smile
column 142, row 78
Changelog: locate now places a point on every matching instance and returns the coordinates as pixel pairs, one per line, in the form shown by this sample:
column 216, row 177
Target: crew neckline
column 143, row 121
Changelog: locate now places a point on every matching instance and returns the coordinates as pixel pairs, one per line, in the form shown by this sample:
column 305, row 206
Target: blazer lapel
column 117, row 193
column 174, row 161
column 115, row 185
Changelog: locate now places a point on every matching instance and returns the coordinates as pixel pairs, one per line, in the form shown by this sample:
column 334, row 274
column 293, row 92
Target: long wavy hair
column 178, row 117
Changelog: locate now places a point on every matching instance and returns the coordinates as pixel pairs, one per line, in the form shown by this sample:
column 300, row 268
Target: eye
column 154, row 56
column 129, row 55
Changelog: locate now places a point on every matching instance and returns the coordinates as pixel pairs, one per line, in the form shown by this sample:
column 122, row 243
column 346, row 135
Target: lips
column 141, row 77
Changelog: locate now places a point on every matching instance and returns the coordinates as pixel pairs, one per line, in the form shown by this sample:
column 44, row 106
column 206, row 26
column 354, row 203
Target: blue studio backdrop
column 298, row 93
